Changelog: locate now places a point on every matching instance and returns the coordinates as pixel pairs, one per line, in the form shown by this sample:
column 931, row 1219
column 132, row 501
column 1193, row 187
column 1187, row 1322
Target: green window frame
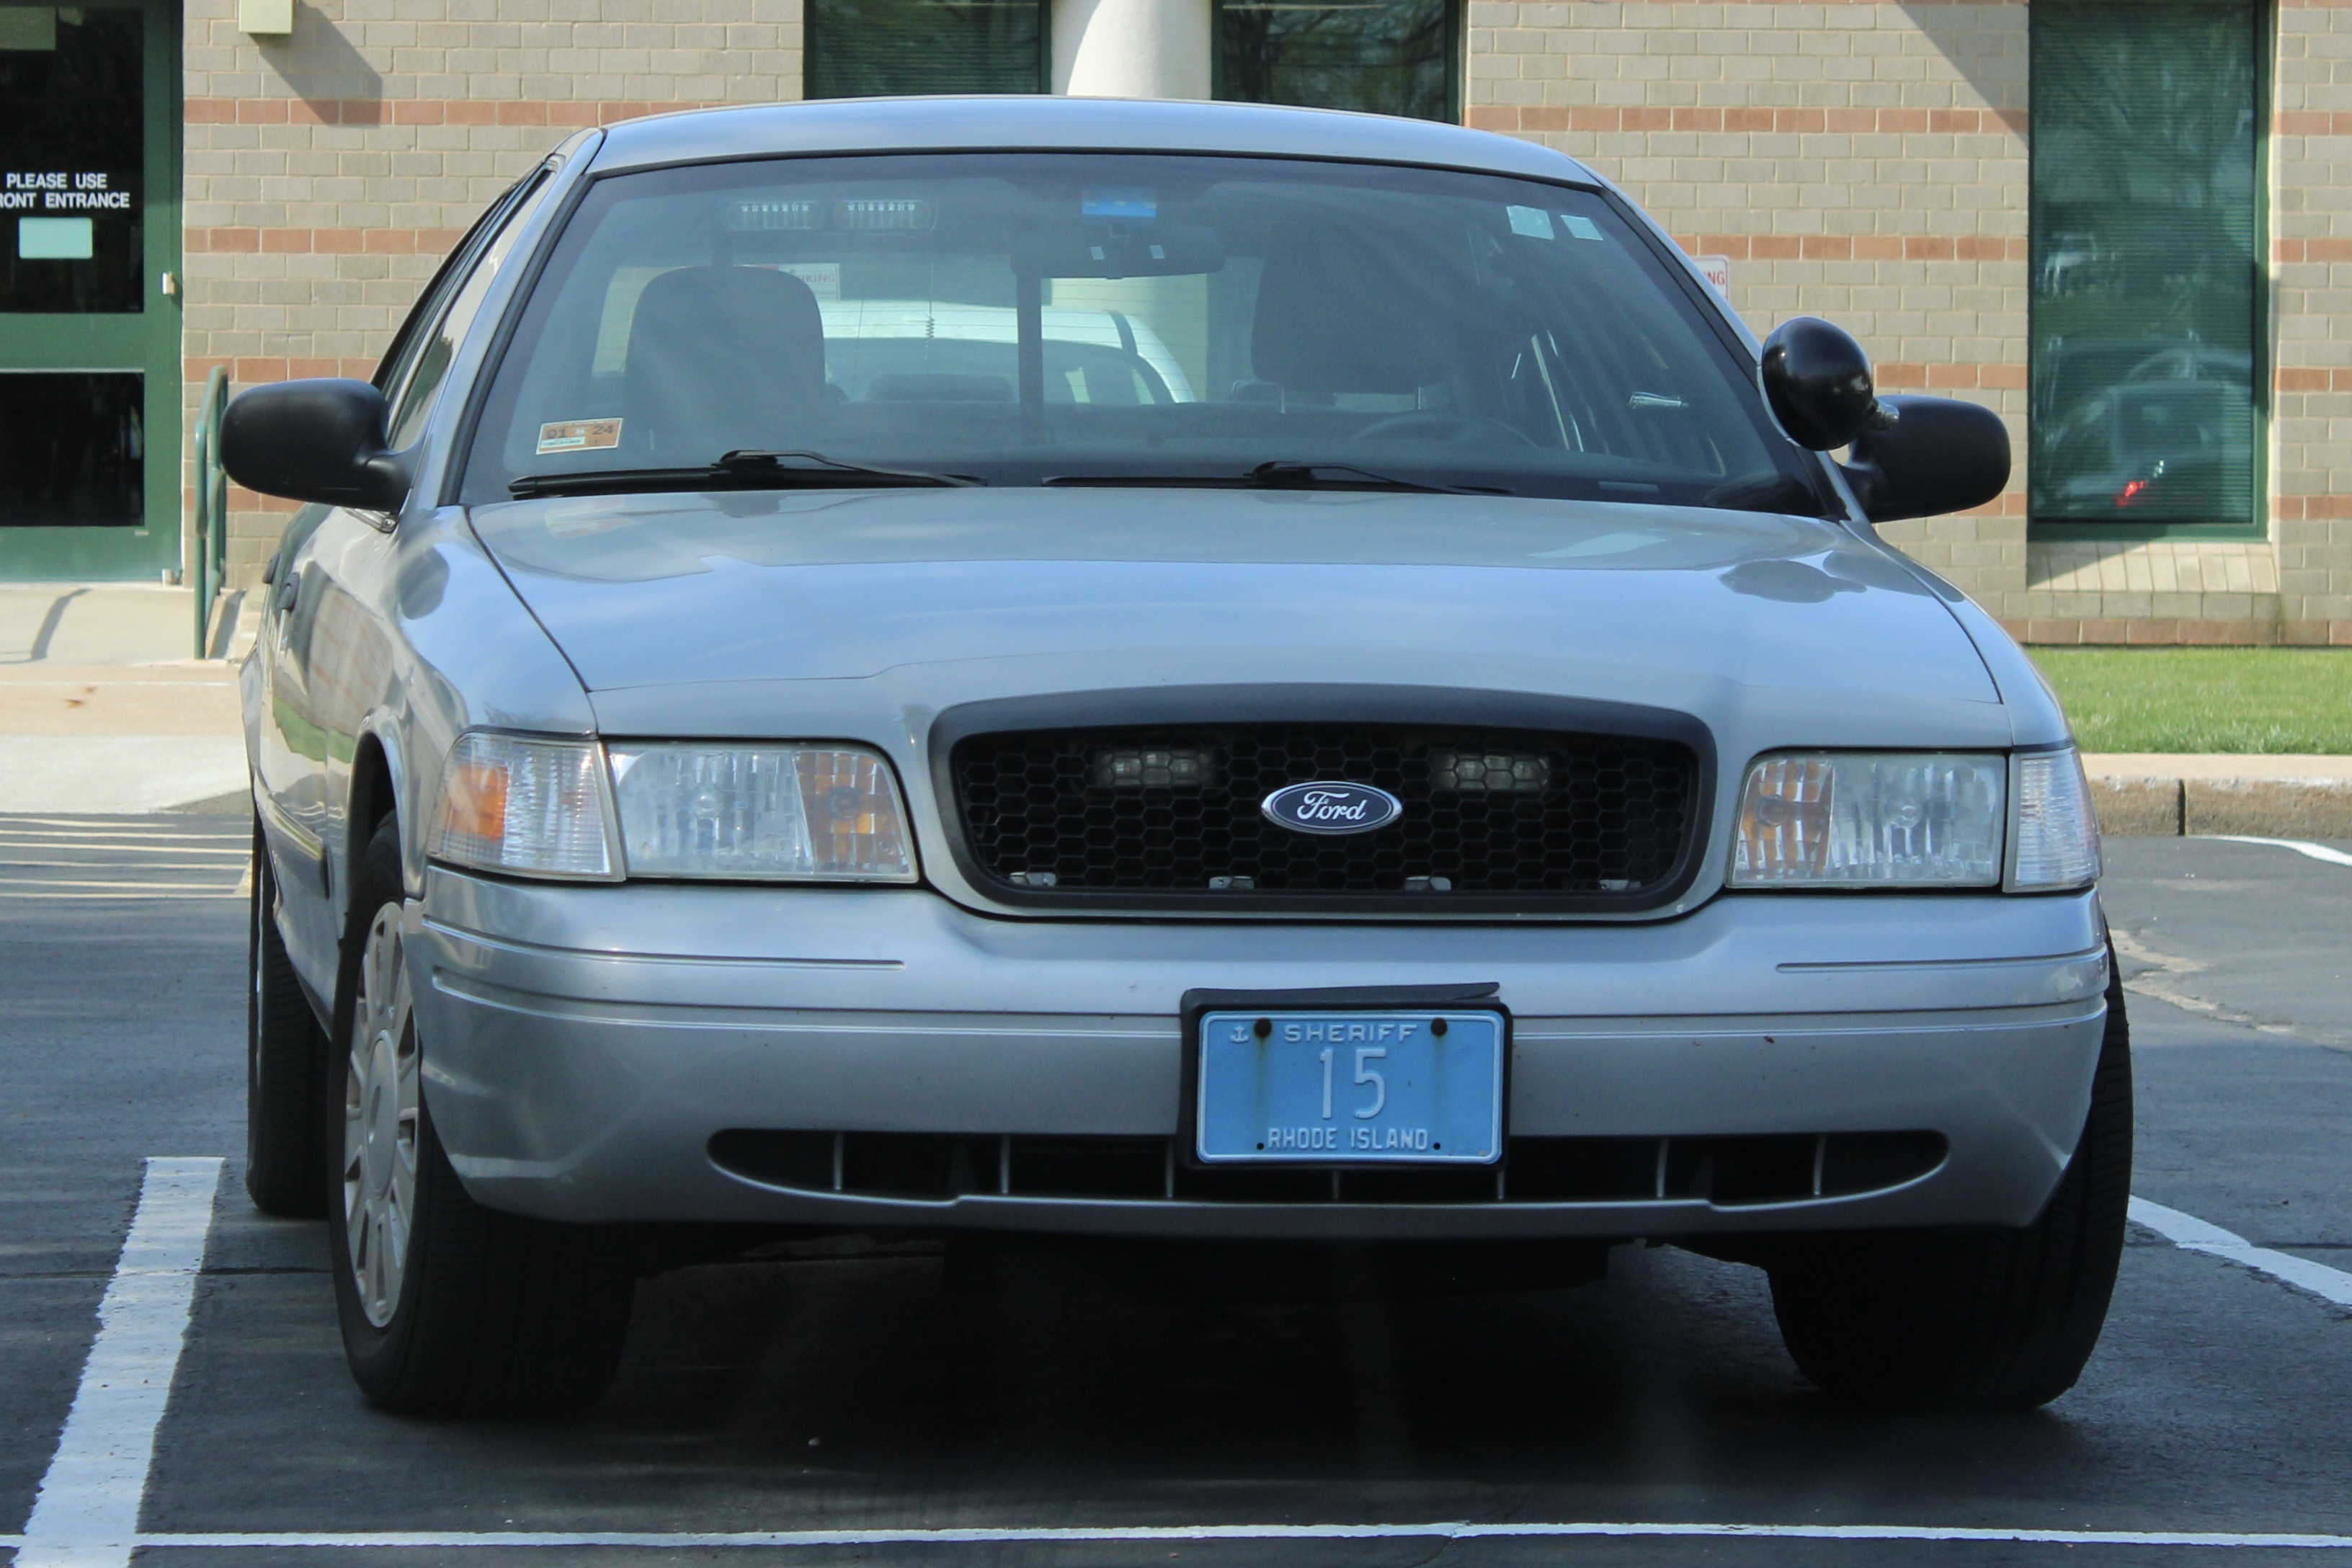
column 2148, row 309
column 1387, row 57
column 878, row 49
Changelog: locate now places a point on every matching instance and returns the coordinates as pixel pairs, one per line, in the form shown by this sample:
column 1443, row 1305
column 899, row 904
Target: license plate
column 1352, row 1087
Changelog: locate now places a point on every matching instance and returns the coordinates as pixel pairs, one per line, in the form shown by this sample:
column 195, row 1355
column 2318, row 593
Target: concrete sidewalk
column 103, row 709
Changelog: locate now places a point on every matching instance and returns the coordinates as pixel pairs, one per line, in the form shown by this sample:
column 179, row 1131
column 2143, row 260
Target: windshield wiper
column 1278, row 475
column 739, row 471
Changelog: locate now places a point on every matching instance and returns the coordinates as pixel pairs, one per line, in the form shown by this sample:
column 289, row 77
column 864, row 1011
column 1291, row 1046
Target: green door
column 89, row 338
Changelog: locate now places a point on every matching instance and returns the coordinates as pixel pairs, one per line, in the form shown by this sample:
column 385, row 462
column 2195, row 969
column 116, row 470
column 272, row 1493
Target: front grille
column 1518, row 816
column 1726, row 1172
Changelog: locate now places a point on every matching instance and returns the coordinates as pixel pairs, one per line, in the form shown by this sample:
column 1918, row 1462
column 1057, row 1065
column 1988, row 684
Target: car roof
column 1078, row 124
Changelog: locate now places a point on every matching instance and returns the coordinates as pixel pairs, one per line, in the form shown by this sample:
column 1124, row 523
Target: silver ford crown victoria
column 1199, row 675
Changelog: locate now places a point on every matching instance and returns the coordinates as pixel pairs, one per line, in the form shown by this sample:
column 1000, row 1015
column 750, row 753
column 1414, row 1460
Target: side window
column 400, row 355
column 428, row 353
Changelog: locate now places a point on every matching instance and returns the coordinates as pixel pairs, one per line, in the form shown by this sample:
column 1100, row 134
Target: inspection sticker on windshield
column 1533, row 222
column 1351, row 1088
column 579, row 435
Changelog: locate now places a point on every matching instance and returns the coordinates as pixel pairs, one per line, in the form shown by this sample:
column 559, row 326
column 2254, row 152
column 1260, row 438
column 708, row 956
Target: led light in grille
column 1861, row 819
column 2056, row 836
column 1174, row 767
column 761, row 813
column 1472, row 772
column 530, row 807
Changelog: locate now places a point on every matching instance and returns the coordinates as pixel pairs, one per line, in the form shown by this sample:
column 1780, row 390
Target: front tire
column 285, row 1065
column 1976, row 1320
column 446, row 1306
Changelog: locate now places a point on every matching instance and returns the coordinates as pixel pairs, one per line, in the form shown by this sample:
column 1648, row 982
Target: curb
column 2203, row 797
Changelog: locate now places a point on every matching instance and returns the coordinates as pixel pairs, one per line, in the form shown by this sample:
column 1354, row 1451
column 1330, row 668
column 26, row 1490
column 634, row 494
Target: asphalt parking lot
column 867, row 1408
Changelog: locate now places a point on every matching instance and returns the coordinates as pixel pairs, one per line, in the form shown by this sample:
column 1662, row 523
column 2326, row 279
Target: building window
column 1392, row 57
column 2147, row 271
column 873, row 48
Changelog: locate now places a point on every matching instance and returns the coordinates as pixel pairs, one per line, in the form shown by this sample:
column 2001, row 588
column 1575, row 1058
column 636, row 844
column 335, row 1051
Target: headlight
column 528, row 808
column 2054, row 838
column 1872, row 819
column 815, row 813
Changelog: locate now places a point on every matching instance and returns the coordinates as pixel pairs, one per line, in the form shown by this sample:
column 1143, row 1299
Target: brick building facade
column 1866, row 161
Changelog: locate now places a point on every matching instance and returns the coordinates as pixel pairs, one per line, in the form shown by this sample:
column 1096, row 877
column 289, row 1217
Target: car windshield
column 1026, row 319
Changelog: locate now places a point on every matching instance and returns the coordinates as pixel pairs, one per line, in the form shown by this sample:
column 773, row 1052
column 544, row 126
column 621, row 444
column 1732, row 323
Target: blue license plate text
column 1350, row 1088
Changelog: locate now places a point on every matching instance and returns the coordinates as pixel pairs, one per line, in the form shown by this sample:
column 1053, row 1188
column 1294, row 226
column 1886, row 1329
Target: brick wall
column 2311, row 224
column 327, row 173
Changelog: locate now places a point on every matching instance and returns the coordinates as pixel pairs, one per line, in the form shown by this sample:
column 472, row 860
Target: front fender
column 469, row 655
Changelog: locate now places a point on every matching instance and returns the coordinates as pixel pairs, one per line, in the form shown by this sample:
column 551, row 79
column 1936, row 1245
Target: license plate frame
column 1215, row 1152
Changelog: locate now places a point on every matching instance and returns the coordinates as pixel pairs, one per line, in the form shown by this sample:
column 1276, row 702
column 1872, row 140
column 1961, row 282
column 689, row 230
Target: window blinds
column 1387, row 56
column 871, row 48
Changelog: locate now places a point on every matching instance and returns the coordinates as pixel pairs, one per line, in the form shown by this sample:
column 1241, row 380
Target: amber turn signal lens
column 523, row 805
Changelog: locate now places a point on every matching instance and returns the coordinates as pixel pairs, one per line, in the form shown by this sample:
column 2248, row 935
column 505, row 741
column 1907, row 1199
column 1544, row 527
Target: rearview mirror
column 1932, row 455
column 1818, row 381
column 1149, row 250
column 314, row 441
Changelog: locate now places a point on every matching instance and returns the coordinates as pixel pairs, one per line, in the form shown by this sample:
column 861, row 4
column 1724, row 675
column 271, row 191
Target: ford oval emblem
column 1331, row 808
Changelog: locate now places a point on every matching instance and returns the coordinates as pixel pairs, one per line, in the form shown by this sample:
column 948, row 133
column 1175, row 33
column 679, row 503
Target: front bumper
column 582, row 1046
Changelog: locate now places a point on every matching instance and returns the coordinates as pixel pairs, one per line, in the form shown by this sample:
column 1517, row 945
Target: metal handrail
column 212, row 506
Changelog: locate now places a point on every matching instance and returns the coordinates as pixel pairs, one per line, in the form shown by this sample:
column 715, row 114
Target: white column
column 1131, row 48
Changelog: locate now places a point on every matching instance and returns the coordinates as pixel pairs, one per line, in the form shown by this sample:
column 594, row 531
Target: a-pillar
column 1131, row 48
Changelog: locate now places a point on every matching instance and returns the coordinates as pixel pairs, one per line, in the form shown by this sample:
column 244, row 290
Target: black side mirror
column 1818, row 381
column 1934, row 455
column 315, row 441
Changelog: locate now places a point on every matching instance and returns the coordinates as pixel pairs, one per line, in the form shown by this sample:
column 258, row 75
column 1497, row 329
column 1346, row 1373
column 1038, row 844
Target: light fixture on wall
column 265, row 18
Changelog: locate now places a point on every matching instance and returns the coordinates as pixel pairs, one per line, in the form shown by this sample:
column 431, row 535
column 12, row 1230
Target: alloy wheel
column 380, row 1109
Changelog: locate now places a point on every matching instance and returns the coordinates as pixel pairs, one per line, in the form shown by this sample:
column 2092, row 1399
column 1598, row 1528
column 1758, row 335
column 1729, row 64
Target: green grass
column 2205, row 699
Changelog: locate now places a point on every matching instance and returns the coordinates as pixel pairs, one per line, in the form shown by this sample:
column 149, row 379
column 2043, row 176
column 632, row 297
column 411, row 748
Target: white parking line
column 2188, row 1232
column 1451, row 1531
column 87, row 1515
column 2317, row 851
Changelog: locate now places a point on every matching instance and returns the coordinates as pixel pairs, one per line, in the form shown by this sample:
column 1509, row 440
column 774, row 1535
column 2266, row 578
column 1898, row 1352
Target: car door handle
column 289, row 591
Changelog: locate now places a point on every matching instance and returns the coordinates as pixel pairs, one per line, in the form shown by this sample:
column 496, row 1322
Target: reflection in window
column 874, row 48
column 2145, row 273
column 1389, row 56
column 439, row 346
column 70, row 122
column 71, row 448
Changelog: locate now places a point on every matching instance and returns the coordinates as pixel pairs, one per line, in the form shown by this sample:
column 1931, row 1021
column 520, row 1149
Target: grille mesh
column 1515, row 813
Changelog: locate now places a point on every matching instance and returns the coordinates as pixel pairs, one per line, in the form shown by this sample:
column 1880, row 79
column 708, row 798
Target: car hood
column 947, row 595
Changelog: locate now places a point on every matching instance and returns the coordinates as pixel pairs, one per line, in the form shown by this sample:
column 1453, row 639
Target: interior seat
column 722, row 358
column 1336, row 314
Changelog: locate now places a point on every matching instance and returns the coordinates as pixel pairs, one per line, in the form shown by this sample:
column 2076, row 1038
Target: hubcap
column 380, row 1122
